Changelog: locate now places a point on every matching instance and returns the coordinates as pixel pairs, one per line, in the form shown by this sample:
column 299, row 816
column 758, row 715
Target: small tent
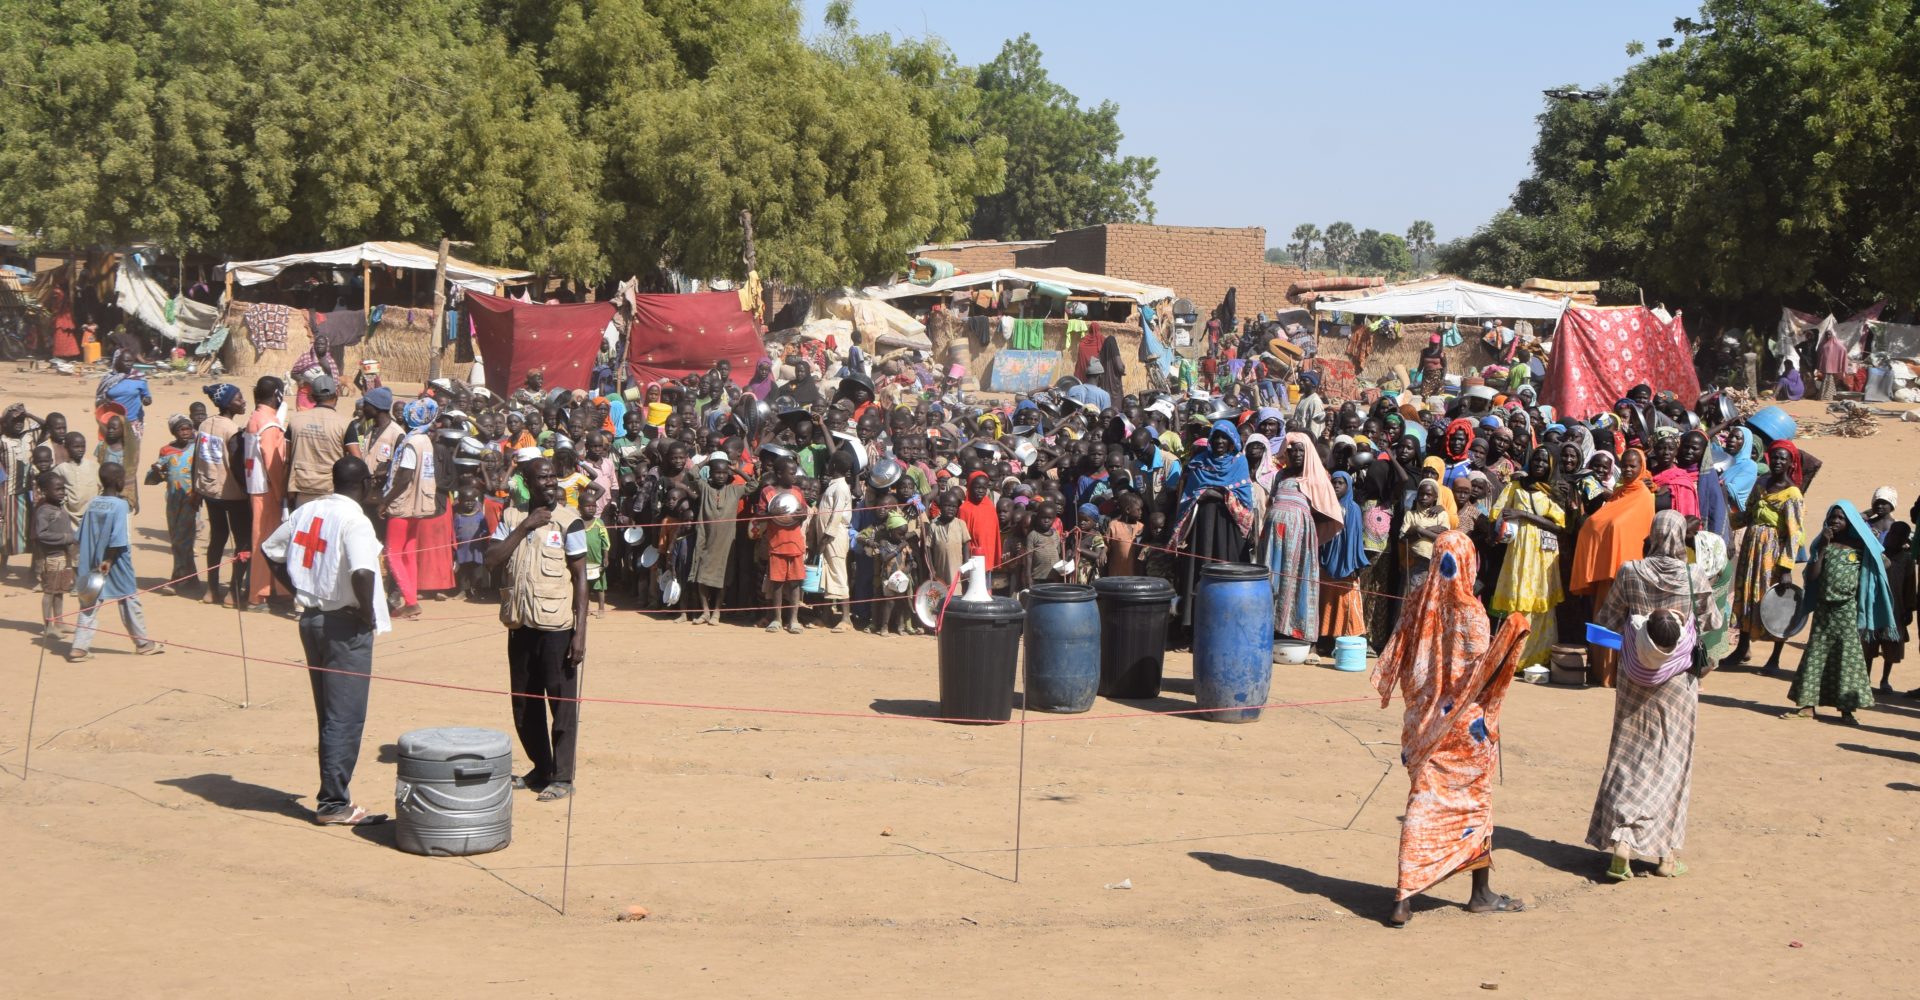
column 561, row 340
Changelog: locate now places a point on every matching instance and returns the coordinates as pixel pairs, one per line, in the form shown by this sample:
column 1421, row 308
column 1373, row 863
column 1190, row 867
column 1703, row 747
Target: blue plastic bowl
column 1604, row 637
column 1773, row 423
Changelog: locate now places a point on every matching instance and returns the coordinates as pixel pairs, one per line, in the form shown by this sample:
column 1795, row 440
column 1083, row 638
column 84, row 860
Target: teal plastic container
column 1350, row 653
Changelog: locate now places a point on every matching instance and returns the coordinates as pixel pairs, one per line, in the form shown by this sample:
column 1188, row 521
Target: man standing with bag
column 541, row 557
column 326, row 553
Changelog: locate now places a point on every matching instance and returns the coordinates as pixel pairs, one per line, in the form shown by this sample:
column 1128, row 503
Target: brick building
column 1198, row 262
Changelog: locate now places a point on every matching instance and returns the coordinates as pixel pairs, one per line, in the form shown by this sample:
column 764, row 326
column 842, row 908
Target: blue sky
column 1229, row 95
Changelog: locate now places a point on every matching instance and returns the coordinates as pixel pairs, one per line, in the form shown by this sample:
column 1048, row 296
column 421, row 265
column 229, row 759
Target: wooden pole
column 366, row 286
column 439, row 309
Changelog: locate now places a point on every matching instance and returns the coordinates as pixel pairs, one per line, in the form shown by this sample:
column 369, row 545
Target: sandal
column 1679, row 868
column 555, row 792
column 353, row 816
column 1503, row 904
column 775, row 627
column 1620, row 869
column 1796, row 714
column 795, row 629
column 150, row 649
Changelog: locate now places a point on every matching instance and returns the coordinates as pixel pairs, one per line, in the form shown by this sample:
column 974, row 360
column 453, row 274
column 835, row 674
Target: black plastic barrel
column 1063, row 647
column 979, row 656
column 1133, row 634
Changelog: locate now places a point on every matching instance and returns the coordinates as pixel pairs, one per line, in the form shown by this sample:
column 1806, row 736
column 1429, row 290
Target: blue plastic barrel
column 1232, row 640
column 1063, row 647
column 1350, row 653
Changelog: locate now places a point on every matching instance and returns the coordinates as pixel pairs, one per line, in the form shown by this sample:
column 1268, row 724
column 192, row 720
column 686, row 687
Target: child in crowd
column 105, row 545
column 892, row 573
column 474, row 517
column 81, row 473
column 174, row 469
column 1121, row 534
column 597, row 544
column 947, row 539
column 1043, row 544
column 566, row 468
column 786, row 545
column 53, row 538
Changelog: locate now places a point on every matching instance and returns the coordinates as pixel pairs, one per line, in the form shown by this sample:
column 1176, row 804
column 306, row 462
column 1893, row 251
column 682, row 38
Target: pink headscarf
column 1318, row 488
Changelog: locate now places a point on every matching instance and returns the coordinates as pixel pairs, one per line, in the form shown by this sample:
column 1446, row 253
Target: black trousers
column 338, row 641
column 229, row 519
column 537, row 671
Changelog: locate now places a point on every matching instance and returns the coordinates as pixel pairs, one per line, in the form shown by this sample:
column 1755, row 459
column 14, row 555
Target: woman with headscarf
column 1775, row 514
column 1530, row 522
column 1435, row 468
column 1454, row 678
column 1710, row 559
column 1343, row 558
column 1215, row 515
column 1791, row 386
column 1433, row 368
column 1611, row 536
column 1304, row 513
column 1847, row 598
column 1266, row 471
column 1641, row 809
column 412, row 496
column 1710, row 496
column 1674, row 487
column 1832, row 361
column 1383, row 486
column 1457, row 446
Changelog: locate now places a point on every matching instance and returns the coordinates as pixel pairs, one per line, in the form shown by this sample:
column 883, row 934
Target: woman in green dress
column 1848, row 596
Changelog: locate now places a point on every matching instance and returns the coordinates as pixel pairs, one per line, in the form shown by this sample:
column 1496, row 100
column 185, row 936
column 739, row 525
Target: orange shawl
column 1613, row 535
column 1454, row 679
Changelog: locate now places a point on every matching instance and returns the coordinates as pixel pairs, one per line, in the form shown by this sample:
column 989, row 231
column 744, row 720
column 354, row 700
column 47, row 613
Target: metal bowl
column 90, row 588
column 787, row 510
column 885, row 472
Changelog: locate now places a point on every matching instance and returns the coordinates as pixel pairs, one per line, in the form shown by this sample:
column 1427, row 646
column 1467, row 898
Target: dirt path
column 160, row 846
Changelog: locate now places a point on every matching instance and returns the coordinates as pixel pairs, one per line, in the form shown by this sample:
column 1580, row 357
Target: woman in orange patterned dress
column 1453, row 680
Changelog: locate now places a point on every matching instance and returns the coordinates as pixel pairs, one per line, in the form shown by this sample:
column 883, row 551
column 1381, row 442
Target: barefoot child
column 53, row 538
column 786, row 545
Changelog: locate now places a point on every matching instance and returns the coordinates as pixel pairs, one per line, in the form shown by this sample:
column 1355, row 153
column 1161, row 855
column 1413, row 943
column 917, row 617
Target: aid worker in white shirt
column 327, row 554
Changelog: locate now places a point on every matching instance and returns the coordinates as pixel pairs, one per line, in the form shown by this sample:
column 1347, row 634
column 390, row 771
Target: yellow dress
column 1529, row 581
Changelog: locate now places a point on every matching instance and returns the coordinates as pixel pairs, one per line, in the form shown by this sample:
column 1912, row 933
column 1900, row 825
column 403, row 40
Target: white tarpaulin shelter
column 179, row 318
column 470, row 276
column 1079, row 282
column 1449, row 297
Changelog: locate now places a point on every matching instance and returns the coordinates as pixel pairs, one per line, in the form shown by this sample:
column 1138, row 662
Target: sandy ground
column 160, row 846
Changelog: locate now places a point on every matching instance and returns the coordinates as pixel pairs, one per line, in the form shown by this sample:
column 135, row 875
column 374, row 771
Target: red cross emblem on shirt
column 310, row 541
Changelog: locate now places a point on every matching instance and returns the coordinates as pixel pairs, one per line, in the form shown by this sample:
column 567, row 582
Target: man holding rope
column 327, row 554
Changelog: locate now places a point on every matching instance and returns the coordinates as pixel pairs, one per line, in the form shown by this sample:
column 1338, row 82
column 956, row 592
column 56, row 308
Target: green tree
column 1340, row 244
column 1305, row 237
column 1420, row 241
column 1386, row 253
column 1063, row 164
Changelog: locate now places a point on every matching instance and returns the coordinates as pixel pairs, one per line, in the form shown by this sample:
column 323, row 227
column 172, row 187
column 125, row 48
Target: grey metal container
column 453, row 795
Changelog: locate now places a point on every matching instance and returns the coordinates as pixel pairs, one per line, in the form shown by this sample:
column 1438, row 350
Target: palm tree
column 1341, row 241
column 1305, row 235
column 1420, row 241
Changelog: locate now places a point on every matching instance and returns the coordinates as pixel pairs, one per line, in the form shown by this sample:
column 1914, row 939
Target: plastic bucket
column 1773, row 423
column 1605, row 638
column 1350, row 653
column 90, row 352
column 811, row 584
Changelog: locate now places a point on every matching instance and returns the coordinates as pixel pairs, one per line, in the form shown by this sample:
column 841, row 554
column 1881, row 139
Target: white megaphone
column 976, row 573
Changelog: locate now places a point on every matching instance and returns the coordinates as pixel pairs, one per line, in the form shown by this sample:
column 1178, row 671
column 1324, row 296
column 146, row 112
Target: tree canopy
column 1765, row 154
column 1064, row 170
column 574, row 137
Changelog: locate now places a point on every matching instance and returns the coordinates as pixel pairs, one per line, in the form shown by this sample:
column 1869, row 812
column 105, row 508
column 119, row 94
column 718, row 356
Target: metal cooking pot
column 786, row 510
column 90, row 588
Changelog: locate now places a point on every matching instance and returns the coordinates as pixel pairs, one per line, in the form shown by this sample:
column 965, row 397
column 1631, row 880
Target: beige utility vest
column 538, row 592
column 419, row 498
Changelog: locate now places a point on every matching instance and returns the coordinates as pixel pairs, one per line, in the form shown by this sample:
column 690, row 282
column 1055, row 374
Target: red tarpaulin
column 518, row 337
column 1599, row 353
column 674, row 336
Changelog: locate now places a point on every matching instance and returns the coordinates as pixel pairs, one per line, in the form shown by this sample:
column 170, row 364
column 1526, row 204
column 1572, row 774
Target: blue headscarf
column 1207, row 471
column 1876, row 595
column 1742, row 472
column 419, row 413
column 1345, row 553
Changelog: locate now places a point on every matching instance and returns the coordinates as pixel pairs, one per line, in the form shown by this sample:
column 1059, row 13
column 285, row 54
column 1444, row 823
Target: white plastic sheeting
column 181, row 319
column 1078, row 281
column 1451, row 298
column 468, row 275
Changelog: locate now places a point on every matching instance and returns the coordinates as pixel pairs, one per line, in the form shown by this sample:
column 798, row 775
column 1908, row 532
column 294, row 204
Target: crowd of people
column 1461, row 526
